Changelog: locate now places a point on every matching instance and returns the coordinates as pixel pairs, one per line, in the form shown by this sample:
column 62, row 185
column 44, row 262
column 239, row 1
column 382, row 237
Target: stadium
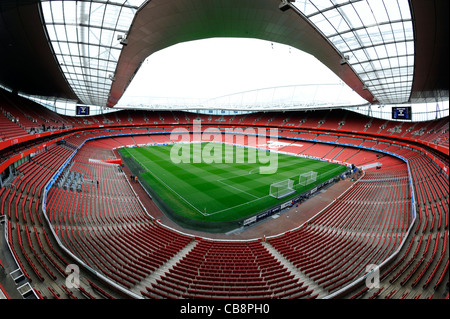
column 246, row 196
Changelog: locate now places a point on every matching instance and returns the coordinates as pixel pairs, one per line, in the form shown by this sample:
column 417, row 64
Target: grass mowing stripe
column 229, row 191
column 240, row 190
column 167, row 186
column 199, row 194
column 240, row 205
column 196, row 187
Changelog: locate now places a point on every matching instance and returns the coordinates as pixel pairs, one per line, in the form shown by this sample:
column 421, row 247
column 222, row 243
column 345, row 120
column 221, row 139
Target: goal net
column 282, row 189
column 307, row 178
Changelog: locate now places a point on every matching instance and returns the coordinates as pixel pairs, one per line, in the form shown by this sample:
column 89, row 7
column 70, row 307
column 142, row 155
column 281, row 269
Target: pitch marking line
column 189, row 203
column 239, row 190
column 221, row 181
column 220, row 211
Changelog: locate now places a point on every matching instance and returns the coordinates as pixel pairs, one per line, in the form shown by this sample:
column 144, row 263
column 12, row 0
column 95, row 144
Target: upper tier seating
column 33, row 117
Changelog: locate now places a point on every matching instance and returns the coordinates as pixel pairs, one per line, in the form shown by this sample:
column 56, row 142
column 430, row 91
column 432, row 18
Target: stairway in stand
column 158, row 273
column 297, row 273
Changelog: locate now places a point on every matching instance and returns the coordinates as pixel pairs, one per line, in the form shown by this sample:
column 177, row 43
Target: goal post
column 282, row 189
column 307, row 178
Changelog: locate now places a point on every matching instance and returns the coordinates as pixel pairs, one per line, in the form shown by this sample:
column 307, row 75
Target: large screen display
column 401, row 112
column 82, row 110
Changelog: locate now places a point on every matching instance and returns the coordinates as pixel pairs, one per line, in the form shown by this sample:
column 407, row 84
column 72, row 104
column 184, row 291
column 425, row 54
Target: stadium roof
column 386, row 51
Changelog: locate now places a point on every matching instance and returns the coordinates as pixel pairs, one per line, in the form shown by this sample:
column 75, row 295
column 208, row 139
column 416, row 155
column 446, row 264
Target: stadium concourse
column 66, row 210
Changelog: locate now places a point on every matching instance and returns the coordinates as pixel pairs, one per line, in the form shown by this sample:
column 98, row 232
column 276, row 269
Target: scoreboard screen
column 82, row 110
column 401, row 113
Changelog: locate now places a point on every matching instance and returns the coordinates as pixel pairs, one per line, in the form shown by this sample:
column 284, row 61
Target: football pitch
column 221, row 191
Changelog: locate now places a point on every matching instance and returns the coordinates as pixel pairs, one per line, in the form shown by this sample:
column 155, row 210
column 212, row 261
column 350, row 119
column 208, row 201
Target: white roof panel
column 84, row 37
column 376, row 35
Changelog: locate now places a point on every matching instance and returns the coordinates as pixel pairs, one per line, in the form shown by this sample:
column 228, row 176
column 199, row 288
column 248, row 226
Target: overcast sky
column 215, row 67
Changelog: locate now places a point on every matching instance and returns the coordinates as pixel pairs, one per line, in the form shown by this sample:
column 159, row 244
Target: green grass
column 221, row 191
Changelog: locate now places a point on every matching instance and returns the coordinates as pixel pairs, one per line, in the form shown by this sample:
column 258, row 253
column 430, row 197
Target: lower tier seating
column 106, row 227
